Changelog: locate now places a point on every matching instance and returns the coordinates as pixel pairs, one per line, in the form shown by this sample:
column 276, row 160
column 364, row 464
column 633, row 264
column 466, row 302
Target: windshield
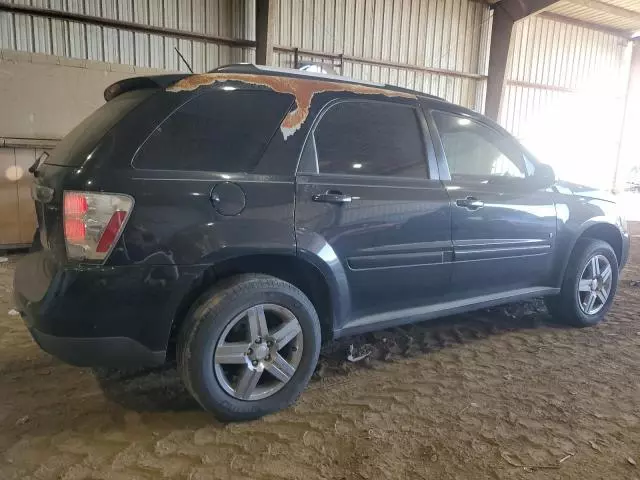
column 74, row 148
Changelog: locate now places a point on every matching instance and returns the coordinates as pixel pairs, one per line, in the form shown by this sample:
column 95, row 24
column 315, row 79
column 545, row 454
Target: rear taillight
column 93, row 223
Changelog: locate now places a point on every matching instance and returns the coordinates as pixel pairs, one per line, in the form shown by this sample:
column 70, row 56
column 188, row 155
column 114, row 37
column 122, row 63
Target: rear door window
column 371, row 138
column 74, row 148
column 221, row 131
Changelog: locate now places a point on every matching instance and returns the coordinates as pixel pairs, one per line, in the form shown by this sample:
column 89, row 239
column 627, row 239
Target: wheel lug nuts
column 258, row 340
column 268, row 357
column 250, row 351
column 255, row 363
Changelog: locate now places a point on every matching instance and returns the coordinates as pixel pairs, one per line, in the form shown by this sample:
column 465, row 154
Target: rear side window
column 74, row 148
column 221, row 131
column 371, row 138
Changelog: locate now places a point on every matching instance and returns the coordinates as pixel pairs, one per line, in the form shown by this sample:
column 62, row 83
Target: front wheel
column 589, row 285
column 249, row 347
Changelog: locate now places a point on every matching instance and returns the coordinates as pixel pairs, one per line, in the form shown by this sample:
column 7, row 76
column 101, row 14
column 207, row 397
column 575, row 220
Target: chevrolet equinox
column 247, row 215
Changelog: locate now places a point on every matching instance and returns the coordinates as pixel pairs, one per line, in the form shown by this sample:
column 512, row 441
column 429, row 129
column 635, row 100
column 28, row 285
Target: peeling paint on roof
column 302, row 89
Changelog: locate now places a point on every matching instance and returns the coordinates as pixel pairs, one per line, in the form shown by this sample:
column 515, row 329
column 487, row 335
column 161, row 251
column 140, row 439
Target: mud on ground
column 500, row 394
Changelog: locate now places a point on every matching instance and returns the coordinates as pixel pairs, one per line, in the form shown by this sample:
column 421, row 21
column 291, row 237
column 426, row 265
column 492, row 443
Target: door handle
column 333, row 196
column 470, row 203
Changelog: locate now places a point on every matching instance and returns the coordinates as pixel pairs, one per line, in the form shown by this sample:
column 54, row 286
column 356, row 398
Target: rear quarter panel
column 175, row 222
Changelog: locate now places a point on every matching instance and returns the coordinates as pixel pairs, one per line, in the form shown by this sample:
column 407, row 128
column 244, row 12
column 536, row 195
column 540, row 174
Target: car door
column 365, row 191
column 503, row 225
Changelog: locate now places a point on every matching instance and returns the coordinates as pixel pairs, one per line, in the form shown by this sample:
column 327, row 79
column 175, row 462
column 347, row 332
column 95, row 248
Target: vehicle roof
column 302, row 84
column 170, row 80
column 251, row 68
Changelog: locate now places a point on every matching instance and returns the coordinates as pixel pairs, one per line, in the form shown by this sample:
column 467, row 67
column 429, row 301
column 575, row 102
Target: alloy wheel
column 595, row 283
column 258, row 352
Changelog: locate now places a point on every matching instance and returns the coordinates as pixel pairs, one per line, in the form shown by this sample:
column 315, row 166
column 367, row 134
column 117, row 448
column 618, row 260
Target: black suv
column 248, row 214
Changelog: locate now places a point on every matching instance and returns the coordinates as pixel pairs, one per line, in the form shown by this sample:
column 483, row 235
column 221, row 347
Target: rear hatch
column 68, row 165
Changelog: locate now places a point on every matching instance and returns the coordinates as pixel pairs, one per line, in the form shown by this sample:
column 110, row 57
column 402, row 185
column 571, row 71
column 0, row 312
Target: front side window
column 371, row 138
column 473, row 149
column 219, row 131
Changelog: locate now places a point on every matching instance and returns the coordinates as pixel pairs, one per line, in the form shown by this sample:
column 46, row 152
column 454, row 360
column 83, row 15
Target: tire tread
column 563, row 307
column 205, row 308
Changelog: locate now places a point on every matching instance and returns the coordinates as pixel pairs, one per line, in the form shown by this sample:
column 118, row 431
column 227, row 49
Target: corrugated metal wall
column 437, row 46
column 447, row 35
column 564, row 96
column 91, row 42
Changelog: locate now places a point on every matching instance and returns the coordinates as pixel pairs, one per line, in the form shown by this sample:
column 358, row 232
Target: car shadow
column 156, row 389
column 160, row 388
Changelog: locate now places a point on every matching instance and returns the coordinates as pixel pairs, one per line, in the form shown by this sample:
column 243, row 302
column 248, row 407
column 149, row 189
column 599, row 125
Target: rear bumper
column 104, row 352
column 100, row 315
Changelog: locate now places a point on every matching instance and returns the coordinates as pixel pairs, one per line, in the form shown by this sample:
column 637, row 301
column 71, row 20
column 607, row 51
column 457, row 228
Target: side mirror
column 543, row 175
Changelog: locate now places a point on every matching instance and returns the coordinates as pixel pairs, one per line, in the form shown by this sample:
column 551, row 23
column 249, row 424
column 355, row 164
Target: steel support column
column 498, row 55
column 265, row 25
column 505, row 14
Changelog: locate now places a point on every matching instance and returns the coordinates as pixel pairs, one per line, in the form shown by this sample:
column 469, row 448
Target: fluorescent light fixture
column 357, row 165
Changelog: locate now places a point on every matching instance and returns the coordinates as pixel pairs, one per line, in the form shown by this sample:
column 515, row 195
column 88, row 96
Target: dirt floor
column 495, row 394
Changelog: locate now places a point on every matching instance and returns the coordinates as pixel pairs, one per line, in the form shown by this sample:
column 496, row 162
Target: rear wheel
column 589, row 285
column 249, row 347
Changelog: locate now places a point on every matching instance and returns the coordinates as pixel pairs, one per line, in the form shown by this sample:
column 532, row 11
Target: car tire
column 231, row 310
column 570, row 307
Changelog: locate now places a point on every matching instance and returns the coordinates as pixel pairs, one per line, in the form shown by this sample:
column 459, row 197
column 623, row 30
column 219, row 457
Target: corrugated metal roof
column 623, row 15
column 633, row 5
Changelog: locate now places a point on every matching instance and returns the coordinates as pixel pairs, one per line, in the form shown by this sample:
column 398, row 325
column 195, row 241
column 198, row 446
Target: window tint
column 73, row 148
column 371, row 138
column 222, row 131
column 473, row 149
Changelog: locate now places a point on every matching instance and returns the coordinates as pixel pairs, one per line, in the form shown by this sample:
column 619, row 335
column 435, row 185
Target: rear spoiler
column 139, row 83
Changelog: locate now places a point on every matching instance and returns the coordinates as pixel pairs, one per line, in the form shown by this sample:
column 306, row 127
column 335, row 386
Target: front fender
column 571, row 231
column 315, row 250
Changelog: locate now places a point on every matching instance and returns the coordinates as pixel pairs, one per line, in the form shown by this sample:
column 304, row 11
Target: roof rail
column 409, row 90
column 252, row 68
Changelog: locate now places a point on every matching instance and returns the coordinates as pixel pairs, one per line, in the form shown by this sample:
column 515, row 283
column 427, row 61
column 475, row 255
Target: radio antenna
column 183, row 59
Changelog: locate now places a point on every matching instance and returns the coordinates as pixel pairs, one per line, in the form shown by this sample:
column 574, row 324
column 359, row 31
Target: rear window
column 74, row 148
column 220, row 130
